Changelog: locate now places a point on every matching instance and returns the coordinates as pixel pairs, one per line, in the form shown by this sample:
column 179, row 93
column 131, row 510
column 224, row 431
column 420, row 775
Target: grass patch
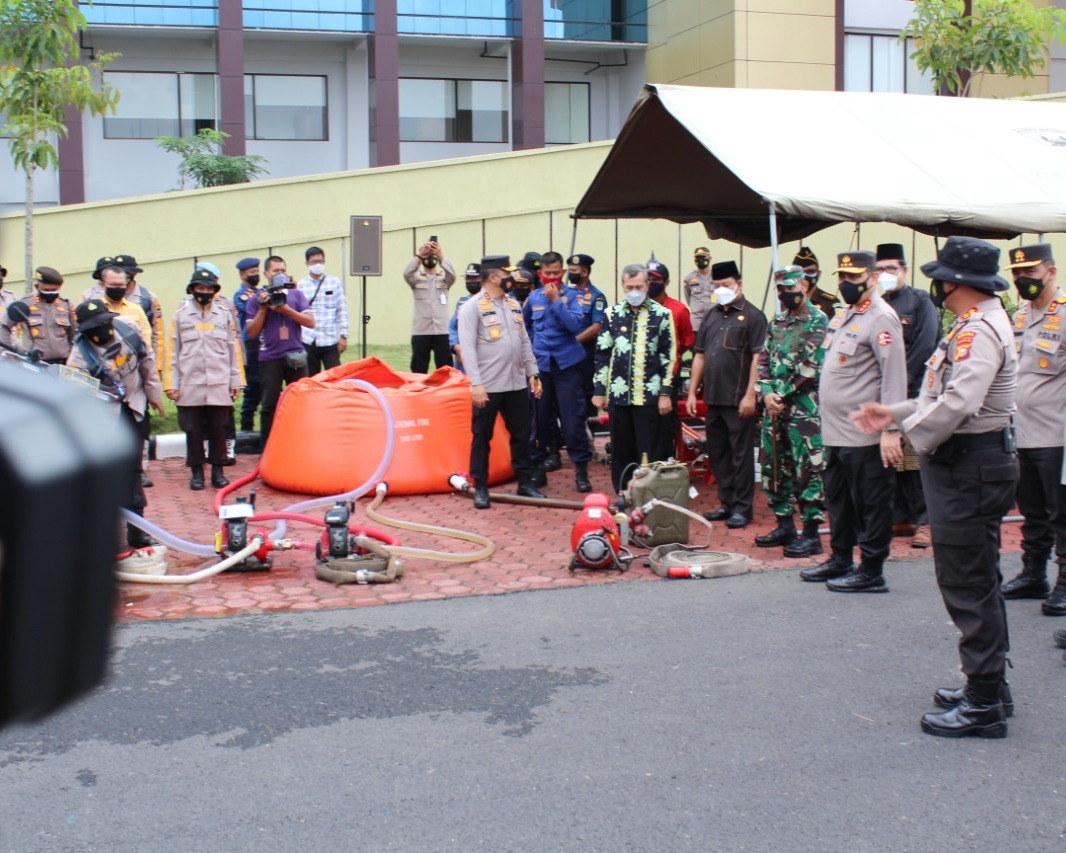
column 396, row 356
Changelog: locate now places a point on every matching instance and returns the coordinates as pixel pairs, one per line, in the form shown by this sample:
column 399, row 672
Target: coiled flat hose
column 487, row 550
column 202, row 574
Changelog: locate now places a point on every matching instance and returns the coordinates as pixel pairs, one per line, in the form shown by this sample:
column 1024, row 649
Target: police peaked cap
column 580, row 260
column 48, row 275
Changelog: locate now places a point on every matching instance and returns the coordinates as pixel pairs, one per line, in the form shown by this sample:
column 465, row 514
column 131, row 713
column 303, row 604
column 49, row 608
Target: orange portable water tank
column 328, row 436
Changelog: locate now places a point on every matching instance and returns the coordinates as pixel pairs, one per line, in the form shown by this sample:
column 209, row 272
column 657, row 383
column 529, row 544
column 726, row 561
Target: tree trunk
column 29, row 228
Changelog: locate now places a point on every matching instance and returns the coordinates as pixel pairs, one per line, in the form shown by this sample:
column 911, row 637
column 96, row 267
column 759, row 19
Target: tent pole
column 573, row 239
column 773, row 255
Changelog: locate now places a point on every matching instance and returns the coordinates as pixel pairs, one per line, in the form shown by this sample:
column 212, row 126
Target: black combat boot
column 809, row 544
column 196, row 478
column 526, row 489
column 1055, row 604
column 837, row 565
column 218, row 479
column 540, row 479
column 481, row 496
column 947, row 698
column 784, row 534
column 866, row 577
column 137, row 538
column 553, row 463
column 581, row 477
column 980, row 712
column 1031, row 582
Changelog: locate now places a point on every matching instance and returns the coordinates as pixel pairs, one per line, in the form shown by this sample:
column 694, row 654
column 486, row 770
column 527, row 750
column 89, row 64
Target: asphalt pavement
column 746, row 713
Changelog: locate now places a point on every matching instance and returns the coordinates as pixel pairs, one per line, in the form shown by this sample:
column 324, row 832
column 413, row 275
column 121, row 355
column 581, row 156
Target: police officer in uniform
column 499, row 361
column 593, row 310
column 553, row 315
column 793, row 460
column 808, row 262
column 921, row 331
column 44, row 320
column 726, row 367
column 248, row 270
column 699, row 287
column 1041, row 415
column 429, row 275
column 961, row 426
column 864, row 361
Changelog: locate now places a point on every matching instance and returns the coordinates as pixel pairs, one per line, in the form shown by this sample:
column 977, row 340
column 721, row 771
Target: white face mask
column 317, row 269
column 636, row 297
column 888, row 281
column 724, row 295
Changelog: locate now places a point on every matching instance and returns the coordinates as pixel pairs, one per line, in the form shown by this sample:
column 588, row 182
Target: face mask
column 724, row 295
column 656, row 288
column 790, row 300
column 48, row 295
column 852, row 291
column 1029, row 288
column 888, row 281
column 574, row 277
column 203, row 298
column 429, row 262
column 115, row 294
column 937, row 294
column 473, row 287
column 252, row 280
column 636, row 297
column 507, row 284
column 101, row 335
column 317, row 269
column 703, row 263
column 812, row 277
column 549, row 279
column 521, row 293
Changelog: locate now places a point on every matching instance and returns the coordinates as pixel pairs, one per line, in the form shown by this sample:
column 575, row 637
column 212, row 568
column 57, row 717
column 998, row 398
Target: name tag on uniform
column 203, row 327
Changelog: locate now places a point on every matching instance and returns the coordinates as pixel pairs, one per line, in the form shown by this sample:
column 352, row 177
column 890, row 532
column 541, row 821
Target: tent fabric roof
column 943, row 166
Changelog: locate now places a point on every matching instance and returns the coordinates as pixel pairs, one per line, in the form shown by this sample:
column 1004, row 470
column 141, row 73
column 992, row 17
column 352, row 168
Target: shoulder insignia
column 963, row 345
column 968, row 313
column 243, row 297
column 884, row 339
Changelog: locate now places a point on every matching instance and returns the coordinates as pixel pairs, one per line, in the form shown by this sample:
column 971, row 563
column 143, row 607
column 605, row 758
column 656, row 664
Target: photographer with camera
column 277, row 317
column 429, row 275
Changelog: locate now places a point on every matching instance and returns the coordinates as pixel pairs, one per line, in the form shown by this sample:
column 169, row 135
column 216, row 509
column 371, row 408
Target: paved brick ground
column 532, row 550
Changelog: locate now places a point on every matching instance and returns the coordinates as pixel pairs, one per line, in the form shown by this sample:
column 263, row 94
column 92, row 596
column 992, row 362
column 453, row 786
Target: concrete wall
column 781, row 44
column 507, row 203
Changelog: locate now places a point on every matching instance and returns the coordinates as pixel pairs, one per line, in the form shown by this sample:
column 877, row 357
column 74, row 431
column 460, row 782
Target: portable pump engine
column 596, row 539
column 336, row 542
column 234, row 536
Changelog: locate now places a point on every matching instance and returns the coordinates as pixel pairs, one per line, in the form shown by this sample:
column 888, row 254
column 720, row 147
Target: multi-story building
column 333, row 85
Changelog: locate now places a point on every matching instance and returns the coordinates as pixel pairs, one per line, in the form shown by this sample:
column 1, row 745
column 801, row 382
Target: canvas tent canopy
column 730, row 157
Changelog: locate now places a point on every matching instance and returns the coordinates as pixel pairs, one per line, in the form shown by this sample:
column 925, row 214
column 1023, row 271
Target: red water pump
column 596, row 539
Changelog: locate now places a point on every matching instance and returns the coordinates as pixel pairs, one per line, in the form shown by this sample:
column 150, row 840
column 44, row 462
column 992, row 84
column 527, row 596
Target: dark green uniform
column 792, row 457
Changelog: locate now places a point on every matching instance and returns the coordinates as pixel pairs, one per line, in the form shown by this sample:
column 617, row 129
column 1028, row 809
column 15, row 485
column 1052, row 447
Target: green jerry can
column 669, row 482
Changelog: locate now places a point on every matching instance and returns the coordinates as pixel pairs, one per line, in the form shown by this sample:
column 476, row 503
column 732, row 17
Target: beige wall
column 779, row 44
column 507, row 203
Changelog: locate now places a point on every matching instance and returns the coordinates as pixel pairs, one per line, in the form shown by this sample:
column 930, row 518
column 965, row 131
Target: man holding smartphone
column 429, row 275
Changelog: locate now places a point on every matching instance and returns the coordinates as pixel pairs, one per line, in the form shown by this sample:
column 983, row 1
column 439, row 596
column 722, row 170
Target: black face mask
column 252, row 281
column 115, row 294
column 937, row 294
column 575, row 277
column 48, row 295
column 429, row 263
column 790, row 300
column 203, row 298
column 852, row 291
column 507, row 284
column 703, row 263
column 473, row 287
column 1029, row 288
column 521, row 293
column 656, row 288
column 812, row 277
column 101, row 335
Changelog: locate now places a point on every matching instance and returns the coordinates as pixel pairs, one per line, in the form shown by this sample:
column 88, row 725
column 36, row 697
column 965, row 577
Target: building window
column 596, row 20
column 280, row 106
column 161, row 104
column 453, row 110
column 881, row 63
column 566, row 113
column 492, row 18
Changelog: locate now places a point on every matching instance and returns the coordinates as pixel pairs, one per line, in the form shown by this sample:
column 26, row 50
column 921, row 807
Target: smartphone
column 433, row 239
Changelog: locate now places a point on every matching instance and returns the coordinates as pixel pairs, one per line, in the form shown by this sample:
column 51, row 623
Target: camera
column 433, row 239
column 275, row 291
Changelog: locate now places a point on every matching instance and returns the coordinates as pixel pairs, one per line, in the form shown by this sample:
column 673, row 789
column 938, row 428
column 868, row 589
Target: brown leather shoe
column 904, row 529
column 922, row 537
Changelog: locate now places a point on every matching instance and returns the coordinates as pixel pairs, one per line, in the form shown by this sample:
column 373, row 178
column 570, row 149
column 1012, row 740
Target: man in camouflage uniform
column 791, row 439
column 808, row 262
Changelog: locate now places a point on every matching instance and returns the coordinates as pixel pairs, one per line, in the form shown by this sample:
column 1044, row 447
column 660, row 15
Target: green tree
column 41, row 75
column 1009, row 37
column 202, row 164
